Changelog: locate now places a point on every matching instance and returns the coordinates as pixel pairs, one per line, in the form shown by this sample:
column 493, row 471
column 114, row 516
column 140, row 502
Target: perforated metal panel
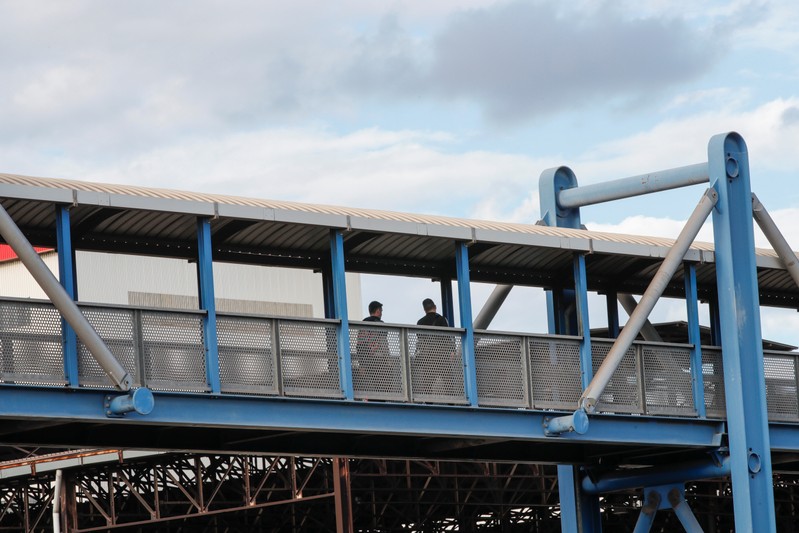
column 174, row 353
column 554, row 372
column 309, row 359
column 30, row 344
column 116, row 328
column 377, row 363
column 436, row 366
column 246, row 356
column 500, row 372
column 780, row 372
column 623, row 392
column 713, row 377
column 667, row 380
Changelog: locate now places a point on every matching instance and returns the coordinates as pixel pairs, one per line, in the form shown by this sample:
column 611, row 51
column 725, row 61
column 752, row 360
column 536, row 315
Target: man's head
column 375, row 308
column 428, row 305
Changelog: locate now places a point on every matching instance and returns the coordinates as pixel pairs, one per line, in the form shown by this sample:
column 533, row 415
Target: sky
column 447, row 107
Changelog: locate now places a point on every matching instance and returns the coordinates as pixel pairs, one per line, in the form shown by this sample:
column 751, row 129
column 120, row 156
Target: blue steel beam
column 205, row 287
column 196, row 410
column 465, row 308
column 67, row 275
column 339, row 285
column 742, row 347
column 694, row 338
column 576, row 197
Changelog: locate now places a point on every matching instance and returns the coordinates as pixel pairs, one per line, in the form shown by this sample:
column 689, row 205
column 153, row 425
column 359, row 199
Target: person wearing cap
column 375, row 312
column 431, row 317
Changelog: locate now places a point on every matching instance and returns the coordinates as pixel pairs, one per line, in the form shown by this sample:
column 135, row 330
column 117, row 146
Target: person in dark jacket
column 375, row 312
column 431, row 317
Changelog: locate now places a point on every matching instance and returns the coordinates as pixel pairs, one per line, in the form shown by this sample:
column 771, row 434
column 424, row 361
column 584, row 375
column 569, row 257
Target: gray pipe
column 656, row 287
column 491, row 307
column 776, row 238
column 648, row 331
column 62, row 301
column 57, row 502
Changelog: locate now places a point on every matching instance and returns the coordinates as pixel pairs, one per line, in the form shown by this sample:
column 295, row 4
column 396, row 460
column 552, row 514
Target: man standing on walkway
column 431, row 317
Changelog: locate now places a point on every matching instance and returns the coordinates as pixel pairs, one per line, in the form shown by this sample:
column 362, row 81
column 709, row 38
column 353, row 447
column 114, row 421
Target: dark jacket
column 432, row 319
column 372, row 318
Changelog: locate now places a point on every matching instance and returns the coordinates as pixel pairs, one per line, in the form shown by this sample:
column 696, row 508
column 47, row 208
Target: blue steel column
column 447, row 306
column 340, row 309
column 327, row 292
column 742, row 347
column 583, row 326
column 67, row 275
column 579, row 511
column 205, row 282
column 612, row 303
column 715, row 326
column 694, row 337
column 465, row 308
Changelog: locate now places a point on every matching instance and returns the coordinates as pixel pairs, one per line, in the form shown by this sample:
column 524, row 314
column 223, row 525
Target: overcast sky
column 446, row 107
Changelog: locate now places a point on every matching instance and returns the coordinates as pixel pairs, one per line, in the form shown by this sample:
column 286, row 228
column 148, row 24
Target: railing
column 291, row 357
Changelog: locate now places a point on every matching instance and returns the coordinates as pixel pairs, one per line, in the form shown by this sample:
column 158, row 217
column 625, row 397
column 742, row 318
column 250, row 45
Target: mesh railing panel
column 116, row 328
column 623, row 392
column 30, row 344
column 377, row 363
column 246, row 356
column 713, row 377
column 554, row 372
column 309, row 359
column 780, row 372
column 667, row 380
column 500, row 372
column 174, row 353
column 436, row 367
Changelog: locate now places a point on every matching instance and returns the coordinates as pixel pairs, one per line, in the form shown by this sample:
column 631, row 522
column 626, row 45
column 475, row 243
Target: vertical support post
column 579, row 511
column 715, row 321
column 327, row 292
column 694, row 338
column 583, row 326
column 205, row 282
column 342, row 495
column 742, row 346
column 612, row 303
column 447, row 305
column 340, row 312
column 67, row 275
column 465, row 308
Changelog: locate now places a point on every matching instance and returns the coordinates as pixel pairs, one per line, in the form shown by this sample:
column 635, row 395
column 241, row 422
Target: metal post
column 683, row 511
column 647, row 516
column 205, row 282
column 465, row 308
column 653, row 292
column 633, row 186
column 551, row 185
column 67, row 276
column 648, row 331
column 340, row 307
column 342, row 495
column 742, row 345
column 447, row 305
column 715, row 321
column 327, row 292
column 694, row 338
column 612, row 302
column 492, row 305
column 579, row 512
column 62, row 301
column 583, row 326
column 776, row 239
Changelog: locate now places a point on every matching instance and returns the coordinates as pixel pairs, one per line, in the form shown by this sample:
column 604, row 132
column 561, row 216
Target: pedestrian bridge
column 157, row 378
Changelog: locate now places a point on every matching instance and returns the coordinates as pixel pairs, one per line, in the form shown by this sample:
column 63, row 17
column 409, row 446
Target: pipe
column 62, row 301
column 683, row 512
column 653, row 292
column 57, row 502
column 776, row 239
column 491, row 307
column 648, row 331
column 577, row 422
column 633, row 186
column 657, row 475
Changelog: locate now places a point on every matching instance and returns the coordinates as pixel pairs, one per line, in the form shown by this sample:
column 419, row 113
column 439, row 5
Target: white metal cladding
column 713, row 377
column 30, row 344
column 501, row 362
column 120, row 329
column 667, row 380
column 309, row 358
column 174, row 353
column 436, row 366
column 379, row 362
column 247, row 355
column 623, row 392
column 554, row 372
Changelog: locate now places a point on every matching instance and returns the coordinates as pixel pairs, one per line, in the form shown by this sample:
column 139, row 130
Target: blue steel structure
column 512, row 396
